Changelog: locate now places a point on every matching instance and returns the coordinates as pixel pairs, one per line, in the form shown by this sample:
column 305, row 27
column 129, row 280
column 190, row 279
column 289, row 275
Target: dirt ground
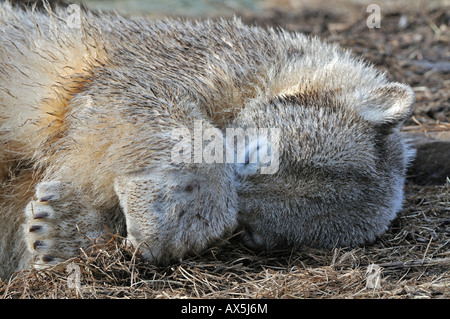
column 411, row 260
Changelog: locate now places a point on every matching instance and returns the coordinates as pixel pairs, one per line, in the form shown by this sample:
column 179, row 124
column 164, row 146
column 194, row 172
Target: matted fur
column 86, row 115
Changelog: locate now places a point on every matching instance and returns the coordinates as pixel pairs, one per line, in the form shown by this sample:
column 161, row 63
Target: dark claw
column 40, row 215
column 35, row 228
column 38, row 244
column 46, row 199
column 47, row 258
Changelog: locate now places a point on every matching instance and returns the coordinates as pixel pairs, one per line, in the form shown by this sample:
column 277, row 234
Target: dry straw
column 412, row 260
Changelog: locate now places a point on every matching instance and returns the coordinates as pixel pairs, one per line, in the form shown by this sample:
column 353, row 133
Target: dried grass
column 413, row 259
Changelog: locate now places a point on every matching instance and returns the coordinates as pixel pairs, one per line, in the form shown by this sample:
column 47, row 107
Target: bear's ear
column 388, row 104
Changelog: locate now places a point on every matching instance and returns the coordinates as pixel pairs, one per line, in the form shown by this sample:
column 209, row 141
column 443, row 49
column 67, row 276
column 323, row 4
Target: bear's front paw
column 39, row 230
column 53, row 223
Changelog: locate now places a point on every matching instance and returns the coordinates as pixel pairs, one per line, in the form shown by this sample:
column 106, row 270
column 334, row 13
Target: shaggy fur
column 86, row 123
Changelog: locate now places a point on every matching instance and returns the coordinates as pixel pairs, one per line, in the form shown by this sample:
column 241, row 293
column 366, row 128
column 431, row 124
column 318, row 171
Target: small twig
column 416, row 263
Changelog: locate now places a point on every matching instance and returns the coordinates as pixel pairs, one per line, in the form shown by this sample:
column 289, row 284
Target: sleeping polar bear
column 87, row 122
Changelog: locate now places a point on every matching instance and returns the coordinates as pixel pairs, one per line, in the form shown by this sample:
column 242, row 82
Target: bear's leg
column 60, row 222
column 171, row 213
